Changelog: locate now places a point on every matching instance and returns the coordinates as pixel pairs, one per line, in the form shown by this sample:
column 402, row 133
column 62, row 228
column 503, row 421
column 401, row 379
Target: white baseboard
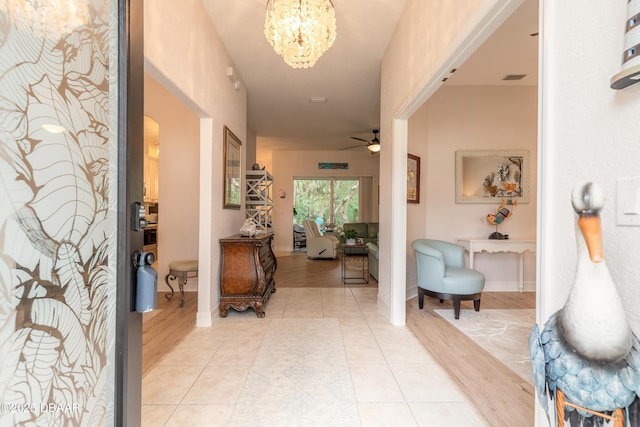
column 508, row 286
column 494, row 286
column 204, row 319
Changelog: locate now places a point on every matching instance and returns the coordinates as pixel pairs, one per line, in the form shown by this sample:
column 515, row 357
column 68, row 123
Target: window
column 326, row 200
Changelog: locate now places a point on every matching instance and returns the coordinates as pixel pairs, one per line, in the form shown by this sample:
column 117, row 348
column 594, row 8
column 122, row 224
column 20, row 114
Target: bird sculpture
column 586, row 358
column 498, row 217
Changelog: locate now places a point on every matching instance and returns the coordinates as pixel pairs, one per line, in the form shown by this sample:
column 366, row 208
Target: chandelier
column 300, row 30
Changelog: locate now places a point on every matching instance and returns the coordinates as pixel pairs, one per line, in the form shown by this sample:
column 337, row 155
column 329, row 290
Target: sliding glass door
column 327, row 201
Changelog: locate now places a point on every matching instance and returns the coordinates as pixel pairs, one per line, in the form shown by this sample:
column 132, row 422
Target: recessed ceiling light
column 318, row 99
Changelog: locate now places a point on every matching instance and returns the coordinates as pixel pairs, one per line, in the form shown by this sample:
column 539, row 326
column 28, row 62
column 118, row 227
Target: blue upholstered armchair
column 442, row 274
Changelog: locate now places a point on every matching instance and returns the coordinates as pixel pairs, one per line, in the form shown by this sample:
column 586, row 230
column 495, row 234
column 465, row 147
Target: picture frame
column 413, row 179
column 490, row 176
column 232, row 170
column 333, row 165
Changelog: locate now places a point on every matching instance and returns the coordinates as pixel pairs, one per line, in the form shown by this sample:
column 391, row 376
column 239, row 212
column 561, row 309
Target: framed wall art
column 232, row 170
column 413, row 179
column 488, row 176
column 333, row 165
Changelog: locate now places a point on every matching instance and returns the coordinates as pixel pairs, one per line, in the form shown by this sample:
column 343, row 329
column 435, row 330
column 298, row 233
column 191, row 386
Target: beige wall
column 250, row 149
column 290, row 164
column 429, row 40
column 589, row 132
column 264, row 157
column 178, row 178
column 190, row 61
column 472, row 118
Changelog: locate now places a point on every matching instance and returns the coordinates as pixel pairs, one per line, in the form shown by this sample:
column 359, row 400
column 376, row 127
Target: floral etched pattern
column 57, row 216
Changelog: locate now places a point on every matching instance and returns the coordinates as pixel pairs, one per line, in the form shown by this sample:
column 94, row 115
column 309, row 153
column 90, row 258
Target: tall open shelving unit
column 259, row 197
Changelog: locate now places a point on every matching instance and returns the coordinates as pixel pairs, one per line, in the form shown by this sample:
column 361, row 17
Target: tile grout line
column 402, row 392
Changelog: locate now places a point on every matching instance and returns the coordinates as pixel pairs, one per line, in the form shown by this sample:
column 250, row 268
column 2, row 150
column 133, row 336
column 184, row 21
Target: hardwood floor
column 498, row 393
column 165, row 327
column 296, row 271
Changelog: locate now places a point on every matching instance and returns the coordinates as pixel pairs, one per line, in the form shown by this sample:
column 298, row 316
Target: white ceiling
column 349, row 73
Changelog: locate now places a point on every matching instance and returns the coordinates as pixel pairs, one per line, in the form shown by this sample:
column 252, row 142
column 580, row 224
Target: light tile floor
column 395, row 380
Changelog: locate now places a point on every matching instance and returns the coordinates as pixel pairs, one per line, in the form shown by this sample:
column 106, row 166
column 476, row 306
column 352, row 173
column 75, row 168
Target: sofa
column 368, row 232
column 373, row 260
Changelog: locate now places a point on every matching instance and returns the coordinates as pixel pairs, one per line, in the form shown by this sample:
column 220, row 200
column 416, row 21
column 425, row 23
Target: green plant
column 350, row 234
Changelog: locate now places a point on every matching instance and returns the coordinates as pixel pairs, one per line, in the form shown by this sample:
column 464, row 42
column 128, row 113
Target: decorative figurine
column 249, row 228
column 498, row 217
column 630, row 71
column 586, row 358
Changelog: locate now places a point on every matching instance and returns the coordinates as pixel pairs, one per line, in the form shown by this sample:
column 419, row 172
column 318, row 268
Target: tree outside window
column 326, row 201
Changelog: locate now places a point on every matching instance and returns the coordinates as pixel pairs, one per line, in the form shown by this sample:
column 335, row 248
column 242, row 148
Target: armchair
column 442, row 274
column 319, row 246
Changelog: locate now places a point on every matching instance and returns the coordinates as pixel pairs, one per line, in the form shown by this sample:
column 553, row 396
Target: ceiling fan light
column 300, row 31
column 374, row 148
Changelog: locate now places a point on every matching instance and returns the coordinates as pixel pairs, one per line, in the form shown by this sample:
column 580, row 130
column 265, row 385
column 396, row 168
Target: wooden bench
column 182, row 271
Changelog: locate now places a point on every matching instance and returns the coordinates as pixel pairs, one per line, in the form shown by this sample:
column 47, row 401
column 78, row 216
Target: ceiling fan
column 373, row 145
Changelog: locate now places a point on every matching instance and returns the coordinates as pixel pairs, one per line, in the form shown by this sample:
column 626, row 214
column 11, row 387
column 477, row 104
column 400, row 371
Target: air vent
column 514, row 77
column 318, row 100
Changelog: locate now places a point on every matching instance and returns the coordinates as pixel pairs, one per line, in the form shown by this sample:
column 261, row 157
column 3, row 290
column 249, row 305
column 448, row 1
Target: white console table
column 496, row 246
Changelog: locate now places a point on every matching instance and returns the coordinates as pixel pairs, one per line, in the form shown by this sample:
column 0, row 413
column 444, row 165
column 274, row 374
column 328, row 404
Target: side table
column 517, row 246
column 352, row 252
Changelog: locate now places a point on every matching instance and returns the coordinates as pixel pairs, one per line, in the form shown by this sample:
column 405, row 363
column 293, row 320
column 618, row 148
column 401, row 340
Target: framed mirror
column 488, row 176
column 232, row 170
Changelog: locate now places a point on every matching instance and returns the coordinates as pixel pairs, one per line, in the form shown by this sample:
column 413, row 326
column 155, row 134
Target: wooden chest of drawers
column 246, row 276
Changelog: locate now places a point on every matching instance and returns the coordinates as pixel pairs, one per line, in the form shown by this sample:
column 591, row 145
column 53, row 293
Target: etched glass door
column 58, row 215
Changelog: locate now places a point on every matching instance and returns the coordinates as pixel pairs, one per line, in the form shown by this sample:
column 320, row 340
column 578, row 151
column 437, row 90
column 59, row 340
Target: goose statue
column 586, row 358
